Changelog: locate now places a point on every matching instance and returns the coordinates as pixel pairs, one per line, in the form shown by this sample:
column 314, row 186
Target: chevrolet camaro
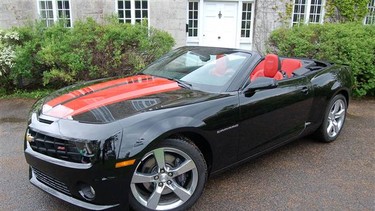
column 151, row 140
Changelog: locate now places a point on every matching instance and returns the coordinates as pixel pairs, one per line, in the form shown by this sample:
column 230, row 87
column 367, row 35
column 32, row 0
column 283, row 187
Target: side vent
column 45, row 121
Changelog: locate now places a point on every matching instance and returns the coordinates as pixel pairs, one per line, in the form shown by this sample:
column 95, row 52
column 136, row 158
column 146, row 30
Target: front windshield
column 207, row 69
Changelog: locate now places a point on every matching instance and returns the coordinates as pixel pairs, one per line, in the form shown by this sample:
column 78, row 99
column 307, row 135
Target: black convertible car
column 152, row 139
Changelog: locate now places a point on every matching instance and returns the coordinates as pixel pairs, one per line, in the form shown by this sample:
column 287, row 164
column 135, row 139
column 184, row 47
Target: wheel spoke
column 143, row 178
column 340, row 114
column 182, row 193
column 186, row 166
column 335, row 127
column 159, row 157
column 329, row 128
column 336, row 107
column 153, row 201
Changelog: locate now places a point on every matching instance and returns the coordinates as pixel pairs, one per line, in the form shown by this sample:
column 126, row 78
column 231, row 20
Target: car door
column 271, row 116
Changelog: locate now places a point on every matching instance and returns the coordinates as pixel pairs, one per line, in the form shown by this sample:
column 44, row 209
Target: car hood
column 107, row 100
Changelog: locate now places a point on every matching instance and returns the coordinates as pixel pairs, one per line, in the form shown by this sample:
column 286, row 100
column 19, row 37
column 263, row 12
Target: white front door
column 220, row 24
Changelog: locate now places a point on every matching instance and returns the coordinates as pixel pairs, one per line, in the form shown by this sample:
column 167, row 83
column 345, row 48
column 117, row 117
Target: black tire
column 177, row 153
column 333, row 121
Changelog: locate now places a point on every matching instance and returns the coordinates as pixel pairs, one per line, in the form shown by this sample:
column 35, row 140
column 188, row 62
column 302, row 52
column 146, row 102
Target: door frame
column 241, row 42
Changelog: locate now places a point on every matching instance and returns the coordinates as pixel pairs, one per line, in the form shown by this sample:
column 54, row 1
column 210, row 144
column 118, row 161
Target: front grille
column 58, row 148
column 51, row 182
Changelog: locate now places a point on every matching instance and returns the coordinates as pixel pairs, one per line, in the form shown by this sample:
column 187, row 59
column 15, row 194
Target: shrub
column 57, row 56
column 8, row 41
column 350, row 43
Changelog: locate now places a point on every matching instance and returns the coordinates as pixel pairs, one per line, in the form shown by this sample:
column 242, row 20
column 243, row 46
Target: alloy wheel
column 336, row 118
column 164, row 179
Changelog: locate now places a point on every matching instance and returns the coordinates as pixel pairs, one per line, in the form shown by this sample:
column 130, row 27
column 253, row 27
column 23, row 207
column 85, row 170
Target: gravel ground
column 303, row 175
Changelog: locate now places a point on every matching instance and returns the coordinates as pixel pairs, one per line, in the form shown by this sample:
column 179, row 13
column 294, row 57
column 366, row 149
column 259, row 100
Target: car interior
column 272, row 66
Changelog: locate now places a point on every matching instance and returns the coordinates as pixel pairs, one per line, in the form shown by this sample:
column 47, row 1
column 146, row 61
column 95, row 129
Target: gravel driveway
column 303, row 175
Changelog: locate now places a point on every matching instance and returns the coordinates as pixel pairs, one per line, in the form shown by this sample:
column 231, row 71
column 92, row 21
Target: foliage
column 346, row 10
column 57, row 56
column 7, row 54
column 284, row 15
column 33, row 94
column 350, row 43
column 8, row 42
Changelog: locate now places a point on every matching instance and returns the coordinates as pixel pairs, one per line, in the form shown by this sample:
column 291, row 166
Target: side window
column 308, row 11
column 246, row 20
column 370, row 17
column 52, row 11
column 132, row 11
column 193, row 18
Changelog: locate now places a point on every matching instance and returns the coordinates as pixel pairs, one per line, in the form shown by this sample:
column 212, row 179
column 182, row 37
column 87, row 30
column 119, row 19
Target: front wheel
column 169, row 177
column 334, row 119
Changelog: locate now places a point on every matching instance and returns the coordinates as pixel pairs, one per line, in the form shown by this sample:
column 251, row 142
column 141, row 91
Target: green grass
column 34, row 94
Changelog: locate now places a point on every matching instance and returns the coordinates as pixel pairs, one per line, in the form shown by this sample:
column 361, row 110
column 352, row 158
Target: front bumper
column 62, row 179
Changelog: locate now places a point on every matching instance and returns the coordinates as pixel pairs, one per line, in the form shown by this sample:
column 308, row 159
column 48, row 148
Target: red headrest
column 271, row 65
column 221, row 65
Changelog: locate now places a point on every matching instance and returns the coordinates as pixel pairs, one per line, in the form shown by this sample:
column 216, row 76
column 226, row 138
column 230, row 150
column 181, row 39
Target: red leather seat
column 290, row 65
column 258, row 68
column 271, row 67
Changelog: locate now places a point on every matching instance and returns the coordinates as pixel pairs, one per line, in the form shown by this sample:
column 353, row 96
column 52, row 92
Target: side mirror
column 261, row 83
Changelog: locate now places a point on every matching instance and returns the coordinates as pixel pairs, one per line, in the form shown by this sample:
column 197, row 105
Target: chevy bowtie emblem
column 29, row 137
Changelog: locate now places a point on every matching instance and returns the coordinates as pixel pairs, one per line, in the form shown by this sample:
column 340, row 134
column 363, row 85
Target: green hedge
column 57, row 56
column 350, row 43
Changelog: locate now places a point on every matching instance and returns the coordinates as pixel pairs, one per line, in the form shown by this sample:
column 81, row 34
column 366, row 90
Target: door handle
column 305, row 90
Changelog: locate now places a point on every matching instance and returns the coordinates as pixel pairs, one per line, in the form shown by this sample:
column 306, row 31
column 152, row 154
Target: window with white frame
column 246, row 20
column 308, row 11
column 193, row 18
column 132, row 11
column 370, row 17
column 55, row 10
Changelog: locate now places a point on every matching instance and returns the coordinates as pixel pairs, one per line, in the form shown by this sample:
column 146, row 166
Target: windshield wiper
column 181, row 83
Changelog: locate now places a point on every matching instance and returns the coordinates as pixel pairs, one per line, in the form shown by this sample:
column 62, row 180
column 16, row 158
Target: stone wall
column 17, row 12
column 170, row 16
column 267, row 19
column 96, row 9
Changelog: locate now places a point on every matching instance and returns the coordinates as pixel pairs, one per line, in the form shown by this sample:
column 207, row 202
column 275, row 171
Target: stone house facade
column 229, row 23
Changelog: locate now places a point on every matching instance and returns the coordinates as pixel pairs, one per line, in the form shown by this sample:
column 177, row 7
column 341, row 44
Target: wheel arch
column 199, row 141
column 141, row 137
column 322, row 132
column 190, row 135
column 345, row 93
column 338, row 91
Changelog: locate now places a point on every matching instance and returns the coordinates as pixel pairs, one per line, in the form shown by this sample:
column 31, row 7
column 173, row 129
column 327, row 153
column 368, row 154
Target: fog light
column 87, row 191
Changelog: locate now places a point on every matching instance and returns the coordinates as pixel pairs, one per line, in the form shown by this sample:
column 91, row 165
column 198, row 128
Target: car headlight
column 110, row 145
column 36, row 108
column 89, row 150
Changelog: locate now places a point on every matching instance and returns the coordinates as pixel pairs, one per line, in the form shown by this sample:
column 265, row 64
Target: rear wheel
column 334, row 119
column 169, row 177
